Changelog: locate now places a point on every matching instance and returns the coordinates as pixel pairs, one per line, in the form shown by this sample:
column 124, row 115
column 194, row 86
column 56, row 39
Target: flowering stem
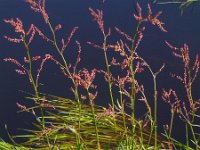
column 123, row 113
column 171, row 123
column 35, row 86
column 76, row 93
column 155, row 112
column 193, row 134
column 133, row 87
column 94, row 119
column 109, row 75
column 31, row 78
column 132, row 96
column 134, row 37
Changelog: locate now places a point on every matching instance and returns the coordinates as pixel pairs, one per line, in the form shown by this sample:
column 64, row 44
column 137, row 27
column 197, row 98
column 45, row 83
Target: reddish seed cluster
column 152, row 19
column 22, row 70
column 174, row 103
column 38, row 7
column 123, row 34
column 32, row 30
column 107, row 112
column 122, row 81
column 18, row 25
column 58, row 27
column 78, row 59
column 98, row 16
column 140, row 37
column 66, row 43
column 84, row 78
column 22, row 107
column 189, row 75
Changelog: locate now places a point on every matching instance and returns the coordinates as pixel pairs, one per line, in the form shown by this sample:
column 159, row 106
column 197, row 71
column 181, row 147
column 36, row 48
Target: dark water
column 72, row 13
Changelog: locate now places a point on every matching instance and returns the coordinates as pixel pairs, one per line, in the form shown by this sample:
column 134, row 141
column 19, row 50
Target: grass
column 183, row 4
column 77, row 122
column 62, row 121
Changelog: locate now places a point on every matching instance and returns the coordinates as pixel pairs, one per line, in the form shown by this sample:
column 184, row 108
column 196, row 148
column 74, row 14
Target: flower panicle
column 172, row 99
column 47, row 57
column 58, row 27
column 22, row 107
column 42, row 35
column 123, row 34
column 94, row 45
column 98, row 17
column 12, row 60
column 195, row 67
column 150, row 18
column 39, row 7
column 78, row 59
column 13, row 40
column 34, row 58
column 66, row 42
column 140, row 37
column 18, row 25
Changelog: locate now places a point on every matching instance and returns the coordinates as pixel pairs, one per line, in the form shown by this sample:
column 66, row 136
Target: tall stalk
column 133, row 87
column 123, row 112
column 66, row 67
column 109, row 74
column 155, row 112
column 154, row 75
column 35, row 88
column 171, row 123
column 94, row 119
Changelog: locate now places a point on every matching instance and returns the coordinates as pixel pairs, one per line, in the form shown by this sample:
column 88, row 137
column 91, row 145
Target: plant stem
column 94, row 119
column 134, row 37
column 186, row 134
column 123, row 113
column 132, row 99
column 35, row 88
column 171, row 123
column 109, row 75
column 133, row 87
column 155, row 112
column 193, row 135
column 76, row 93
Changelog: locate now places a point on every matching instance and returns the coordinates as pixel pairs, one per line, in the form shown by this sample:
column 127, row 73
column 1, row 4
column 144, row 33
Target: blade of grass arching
column 179, row 144
column 170, row 2
column 6, row 146
column 195, row 115
column 10, row 137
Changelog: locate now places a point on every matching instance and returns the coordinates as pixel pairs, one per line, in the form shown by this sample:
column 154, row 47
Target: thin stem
column 193, row 135
column 155, row 112
column 186, row 134
column 94, row 119
column 133, row 87
column 134, row 37
column 35, row 88
column 171, row 123
column 32, row 80
column 123, row 113
column 109, row 75
column 66, row 67
column 132, row 99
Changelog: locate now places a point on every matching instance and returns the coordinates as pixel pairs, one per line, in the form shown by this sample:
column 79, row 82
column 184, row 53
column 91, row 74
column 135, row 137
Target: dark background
column 72, row 13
